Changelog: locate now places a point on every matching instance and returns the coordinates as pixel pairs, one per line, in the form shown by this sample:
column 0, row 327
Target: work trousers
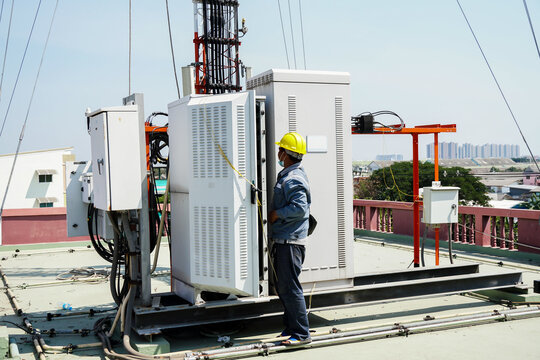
column 288, row 260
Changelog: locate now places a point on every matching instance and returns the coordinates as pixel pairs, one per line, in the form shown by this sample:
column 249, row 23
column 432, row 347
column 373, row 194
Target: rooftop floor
column 32, row 274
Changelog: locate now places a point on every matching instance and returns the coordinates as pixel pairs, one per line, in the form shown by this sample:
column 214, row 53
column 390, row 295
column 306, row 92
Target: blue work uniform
column 291, row 201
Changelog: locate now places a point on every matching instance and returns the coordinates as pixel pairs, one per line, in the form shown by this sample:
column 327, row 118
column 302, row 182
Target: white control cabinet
column 214, row 236
column 117, row 167
column 316, row 105
column 440, row 205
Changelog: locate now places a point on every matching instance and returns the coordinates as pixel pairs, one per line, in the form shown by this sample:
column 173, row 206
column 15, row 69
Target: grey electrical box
column 440, row 205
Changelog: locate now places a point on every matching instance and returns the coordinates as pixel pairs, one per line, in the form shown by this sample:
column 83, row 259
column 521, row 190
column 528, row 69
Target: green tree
column 395, row 183
column 534, row 202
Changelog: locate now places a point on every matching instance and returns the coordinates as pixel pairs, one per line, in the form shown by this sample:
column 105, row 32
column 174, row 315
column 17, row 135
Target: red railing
column 511, row 229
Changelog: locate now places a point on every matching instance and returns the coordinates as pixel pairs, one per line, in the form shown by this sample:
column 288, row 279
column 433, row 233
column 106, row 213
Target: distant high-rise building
column 389, row 157
column 452, row 150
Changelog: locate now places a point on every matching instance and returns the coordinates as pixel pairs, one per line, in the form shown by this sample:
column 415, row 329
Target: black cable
column 532, row 29
column 218, row 48
column 172, row 48
column 213, row 47
column 153, row 115
column 21, row 135
column 283, row 32
column 205, row 54
column 7, row 43
column 388, row 112
column 92, row 222
column 302, row 31
column 450, row 239
column 292, row 33
column 497, row 83
column 114, row 270
column 20, row 68
column 426, row 227
column 17, row 325
column 1, row 11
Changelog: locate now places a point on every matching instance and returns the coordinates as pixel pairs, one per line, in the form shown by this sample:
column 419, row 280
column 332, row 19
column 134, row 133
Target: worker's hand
column 273, row 216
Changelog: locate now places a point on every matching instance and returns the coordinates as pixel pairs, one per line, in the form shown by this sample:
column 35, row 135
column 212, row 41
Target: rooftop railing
column 511, row 229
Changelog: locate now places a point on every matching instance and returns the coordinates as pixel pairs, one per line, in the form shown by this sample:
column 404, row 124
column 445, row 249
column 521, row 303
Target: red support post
column 436, row 163
column 416, row 206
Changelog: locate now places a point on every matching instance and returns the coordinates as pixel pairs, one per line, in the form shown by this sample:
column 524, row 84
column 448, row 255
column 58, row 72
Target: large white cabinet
column 214, row 230
column 316, row 105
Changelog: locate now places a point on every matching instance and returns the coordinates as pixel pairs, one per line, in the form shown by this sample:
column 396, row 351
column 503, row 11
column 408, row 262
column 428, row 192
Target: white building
column 38, row 178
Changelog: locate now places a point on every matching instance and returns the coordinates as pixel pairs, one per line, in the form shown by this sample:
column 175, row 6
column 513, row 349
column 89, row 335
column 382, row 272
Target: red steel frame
column 419, row 130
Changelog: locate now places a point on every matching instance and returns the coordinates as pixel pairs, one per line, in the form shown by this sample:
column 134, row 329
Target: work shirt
column 291, row 202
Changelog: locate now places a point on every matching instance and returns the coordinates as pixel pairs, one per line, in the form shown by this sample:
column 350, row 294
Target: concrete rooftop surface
column 35, row 276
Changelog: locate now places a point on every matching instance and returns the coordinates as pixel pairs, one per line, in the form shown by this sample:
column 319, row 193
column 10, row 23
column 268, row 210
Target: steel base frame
column 173, row 312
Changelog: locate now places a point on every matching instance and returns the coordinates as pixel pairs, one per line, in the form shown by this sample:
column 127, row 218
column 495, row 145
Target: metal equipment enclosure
column 118, row 170
column 316, row 104
column 214, row 236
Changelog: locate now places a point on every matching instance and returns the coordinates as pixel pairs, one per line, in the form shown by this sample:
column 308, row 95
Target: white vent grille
column 260, row 81
column 241, row 127
column 243, row 243
column 212, row 248
column 340, row 169
column 291, row 106
column 209, row 132
column 195, row 148
column 197, row 240
column 223, row 141
column 212, row 242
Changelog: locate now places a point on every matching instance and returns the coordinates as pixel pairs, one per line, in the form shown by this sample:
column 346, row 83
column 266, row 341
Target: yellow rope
column 259, row 204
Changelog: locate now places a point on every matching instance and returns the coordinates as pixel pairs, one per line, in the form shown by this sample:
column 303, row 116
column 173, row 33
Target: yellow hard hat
column 294, row 142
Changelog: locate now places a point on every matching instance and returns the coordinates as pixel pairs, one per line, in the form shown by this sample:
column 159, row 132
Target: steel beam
column 416, row 274
column 174, row 314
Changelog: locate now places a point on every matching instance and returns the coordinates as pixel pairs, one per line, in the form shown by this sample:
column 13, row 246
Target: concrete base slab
column 153, row 345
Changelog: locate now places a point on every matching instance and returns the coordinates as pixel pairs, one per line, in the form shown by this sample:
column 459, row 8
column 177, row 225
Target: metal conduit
column 10, row 294
column 372, row 333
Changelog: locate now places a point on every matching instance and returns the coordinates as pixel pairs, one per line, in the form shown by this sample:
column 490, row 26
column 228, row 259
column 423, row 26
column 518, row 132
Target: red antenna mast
column 217, row 65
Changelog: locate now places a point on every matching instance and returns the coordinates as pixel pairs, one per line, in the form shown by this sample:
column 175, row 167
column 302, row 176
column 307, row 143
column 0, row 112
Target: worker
column 290, row 222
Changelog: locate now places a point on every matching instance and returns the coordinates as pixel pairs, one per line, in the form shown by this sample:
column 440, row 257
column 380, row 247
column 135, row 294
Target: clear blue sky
column 416, row 58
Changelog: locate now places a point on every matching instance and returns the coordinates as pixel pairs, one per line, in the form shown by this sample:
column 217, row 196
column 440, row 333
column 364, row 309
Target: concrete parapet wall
column 490, row 227
column 36, row 225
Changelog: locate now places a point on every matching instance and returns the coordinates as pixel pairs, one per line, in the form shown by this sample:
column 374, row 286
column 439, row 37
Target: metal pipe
column 11, row 296
column 161, row 224
column 38, row 348
column 372, row 333
column 416, row 203
column 13, row 348
column 66, row 348
column 436, row 161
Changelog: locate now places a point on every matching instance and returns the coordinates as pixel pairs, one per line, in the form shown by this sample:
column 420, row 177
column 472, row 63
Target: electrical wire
column 292, row 34
column 387, row 112
column 20, row 68
column 532, row 28
column 283, row 32
column 497, row 83
column 2, row 11
column 302, row 31
column 7, row 43
column 21, row 136
column 172, row 48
